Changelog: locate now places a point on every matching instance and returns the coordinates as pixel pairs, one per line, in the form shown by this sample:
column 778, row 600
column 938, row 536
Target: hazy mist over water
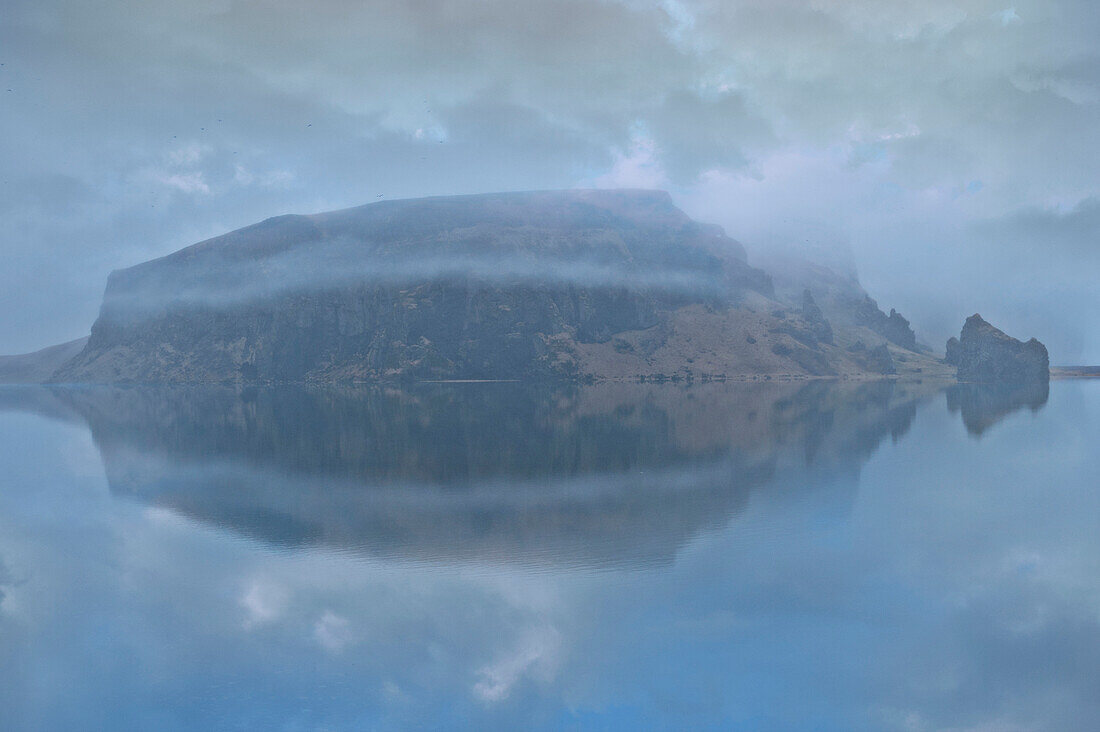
column 495, row 556
column 392, row 456
column 950, row 147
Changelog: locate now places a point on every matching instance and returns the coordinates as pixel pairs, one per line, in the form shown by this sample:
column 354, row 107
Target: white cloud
column 537, row 655
column 269, row 179
column 636, row 167
column 646, row 93
column 332, row 631
column 189, row 154
column 263, row 602
column 190, row 183
column 682, row 19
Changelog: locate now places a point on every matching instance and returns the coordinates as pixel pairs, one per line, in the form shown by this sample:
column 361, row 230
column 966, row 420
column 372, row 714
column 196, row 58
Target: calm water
column 799, row 556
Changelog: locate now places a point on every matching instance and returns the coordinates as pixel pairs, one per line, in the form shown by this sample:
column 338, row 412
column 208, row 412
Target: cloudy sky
column 952, row 146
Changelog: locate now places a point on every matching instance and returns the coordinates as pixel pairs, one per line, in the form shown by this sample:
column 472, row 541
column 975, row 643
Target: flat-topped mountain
column 588, row 284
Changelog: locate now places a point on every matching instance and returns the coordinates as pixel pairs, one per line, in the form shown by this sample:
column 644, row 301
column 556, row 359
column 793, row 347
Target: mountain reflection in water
column 594, row 475
column 500, row 556
column 983, row 405
column 606, row 474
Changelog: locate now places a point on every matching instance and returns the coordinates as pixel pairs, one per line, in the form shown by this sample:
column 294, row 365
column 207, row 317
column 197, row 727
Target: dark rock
column 898, row 331
column 983, row 353
column 892, row 327
column 810, row 328
column 983, row 405
column 953, row 351
column 813, row 316
column 879, row 361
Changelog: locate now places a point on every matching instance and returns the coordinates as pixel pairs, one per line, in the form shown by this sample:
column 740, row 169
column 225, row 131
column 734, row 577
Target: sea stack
column 983, row 353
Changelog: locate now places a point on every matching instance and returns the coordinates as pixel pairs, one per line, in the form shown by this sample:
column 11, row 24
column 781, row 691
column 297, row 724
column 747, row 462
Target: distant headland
column 582, row 285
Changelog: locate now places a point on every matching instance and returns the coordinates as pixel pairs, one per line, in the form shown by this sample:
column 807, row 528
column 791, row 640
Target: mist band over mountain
column 564, row 285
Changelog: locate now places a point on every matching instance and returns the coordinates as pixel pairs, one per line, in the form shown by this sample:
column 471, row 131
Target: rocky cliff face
column 495, row 286
column 811, row 313
column 982, row 353
column 892, row 327
column 566, row 284
column 839, row 295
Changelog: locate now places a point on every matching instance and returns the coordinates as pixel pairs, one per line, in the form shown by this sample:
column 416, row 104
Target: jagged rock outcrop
column 983, row 353
column 812, row 314
column 892, row 327
column 853, row 316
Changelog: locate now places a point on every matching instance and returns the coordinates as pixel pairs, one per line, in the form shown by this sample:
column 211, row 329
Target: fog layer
column 952, row 147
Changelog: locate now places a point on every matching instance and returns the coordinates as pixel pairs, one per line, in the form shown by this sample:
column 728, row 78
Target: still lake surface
column 818, row 556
